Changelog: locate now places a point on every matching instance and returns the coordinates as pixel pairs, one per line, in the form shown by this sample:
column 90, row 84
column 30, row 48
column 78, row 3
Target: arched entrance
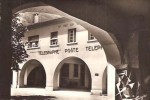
column 72, row 73
column 36, row 78
column 33, row 75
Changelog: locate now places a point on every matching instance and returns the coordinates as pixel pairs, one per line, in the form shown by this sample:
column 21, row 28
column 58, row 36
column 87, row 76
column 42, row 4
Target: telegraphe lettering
column 48, row 52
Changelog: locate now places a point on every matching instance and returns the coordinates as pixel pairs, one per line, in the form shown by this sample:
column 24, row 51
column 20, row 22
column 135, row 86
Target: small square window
column 91, row 37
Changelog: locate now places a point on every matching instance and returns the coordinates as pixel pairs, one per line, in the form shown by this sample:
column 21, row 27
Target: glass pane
column 65, row 70
column 33, row 44
column 33, row 38
column 76, row 68
column 91, row 37
column 54, row 42
column 71, row 40
column 72, row 35
column 54, row 35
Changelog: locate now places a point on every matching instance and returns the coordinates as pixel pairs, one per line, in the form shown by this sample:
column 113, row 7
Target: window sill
column 76, row 78
column 54, row 46
column 54, row 38
column 72, row 43
column 91, row 41
column 33, row 48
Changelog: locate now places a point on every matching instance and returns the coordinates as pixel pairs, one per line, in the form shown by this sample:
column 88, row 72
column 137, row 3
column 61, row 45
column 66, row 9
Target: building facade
column 62, row 55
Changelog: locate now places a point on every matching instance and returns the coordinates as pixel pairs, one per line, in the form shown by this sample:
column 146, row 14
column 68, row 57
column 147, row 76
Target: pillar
column 14, row 80
column 49, row 77
column 111, row 82
column 96, row 84
column 18, row 78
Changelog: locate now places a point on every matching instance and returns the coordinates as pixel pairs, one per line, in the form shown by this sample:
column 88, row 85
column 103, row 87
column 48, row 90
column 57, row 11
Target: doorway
column 74, row 76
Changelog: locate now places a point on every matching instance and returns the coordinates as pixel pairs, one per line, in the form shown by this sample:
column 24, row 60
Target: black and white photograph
column 75, row 50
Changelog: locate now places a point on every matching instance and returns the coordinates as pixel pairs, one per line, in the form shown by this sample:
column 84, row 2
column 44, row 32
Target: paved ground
column 43, row 94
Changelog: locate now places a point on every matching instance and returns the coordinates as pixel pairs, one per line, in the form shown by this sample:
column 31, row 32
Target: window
column 65, row 70
column 91, row 37
column 72, row 35
column 33, row 41
column 54, row 39
column 76, row 70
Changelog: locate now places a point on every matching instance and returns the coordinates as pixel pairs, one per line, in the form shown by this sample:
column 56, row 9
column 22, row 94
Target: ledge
column 91, row 41
column 51, row 46
column 73, row 43
column 33, row 48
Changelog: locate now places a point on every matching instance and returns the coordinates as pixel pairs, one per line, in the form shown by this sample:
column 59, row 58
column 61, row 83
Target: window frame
column 91, row 38
column 76, row 71
column 33, row 39
column 52, row 39
column 65, row 70
column 72, row 39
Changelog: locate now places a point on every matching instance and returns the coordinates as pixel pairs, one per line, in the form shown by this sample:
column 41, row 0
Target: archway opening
column 73, row 74
column 36, row 78
column 33, row 75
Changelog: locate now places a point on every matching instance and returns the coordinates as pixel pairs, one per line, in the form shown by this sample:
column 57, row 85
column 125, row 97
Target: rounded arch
column 105, row 38
column 29, row 73
column 84, row 77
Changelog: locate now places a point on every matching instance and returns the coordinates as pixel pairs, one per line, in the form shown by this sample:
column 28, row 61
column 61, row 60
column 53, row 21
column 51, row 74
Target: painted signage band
column 48, row 52
column 93, row 48
column 70, row 50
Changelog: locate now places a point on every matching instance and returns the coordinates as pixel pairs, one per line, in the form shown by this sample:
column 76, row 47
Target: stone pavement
column 56, row 95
